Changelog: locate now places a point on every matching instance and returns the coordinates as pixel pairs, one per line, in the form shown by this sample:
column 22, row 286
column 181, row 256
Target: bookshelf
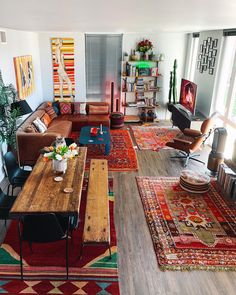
column 139, row 89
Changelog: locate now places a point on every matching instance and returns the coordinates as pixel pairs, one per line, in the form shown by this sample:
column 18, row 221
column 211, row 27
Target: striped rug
column 45, row 271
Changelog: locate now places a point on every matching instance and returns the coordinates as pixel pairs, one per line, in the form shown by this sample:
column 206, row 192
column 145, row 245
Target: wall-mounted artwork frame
column 24, row 75
column 207, row 55
column 63, row 68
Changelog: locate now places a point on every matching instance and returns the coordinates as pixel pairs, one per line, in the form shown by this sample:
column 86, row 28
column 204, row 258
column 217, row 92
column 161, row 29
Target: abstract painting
column 24, row 75
column 63, row 68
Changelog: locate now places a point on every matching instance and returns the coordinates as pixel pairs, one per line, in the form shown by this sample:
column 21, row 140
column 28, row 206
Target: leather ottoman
column 117, row 120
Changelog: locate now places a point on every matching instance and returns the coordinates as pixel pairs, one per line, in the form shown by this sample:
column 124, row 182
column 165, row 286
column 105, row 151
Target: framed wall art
column 63, row 68
column 24, row 75
column 207, row 55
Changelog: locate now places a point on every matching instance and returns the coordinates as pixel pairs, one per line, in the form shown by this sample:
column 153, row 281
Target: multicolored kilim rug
column 44, row 269
column 189, row 231
column 153, row 137
column 122, row 156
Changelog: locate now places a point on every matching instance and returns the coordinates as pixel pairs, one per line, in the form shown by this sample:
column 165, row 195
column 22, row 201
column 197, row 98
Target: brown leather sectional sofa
column 30, row 144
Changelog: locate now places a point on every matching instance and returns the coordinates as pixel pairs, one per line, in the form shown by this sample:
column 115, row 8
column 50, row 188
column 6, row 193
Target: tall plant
column 8, row 95
column 174, row 82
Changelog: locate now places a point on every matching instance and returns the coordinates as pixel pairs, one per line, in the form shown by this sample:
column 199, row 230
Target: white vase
column 59, row 166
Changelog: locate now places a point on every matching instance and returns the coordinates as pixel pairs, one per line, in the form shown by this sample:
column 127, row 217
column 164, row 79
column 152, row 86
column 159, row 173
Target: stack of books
column 227, row 179
column 140, row 85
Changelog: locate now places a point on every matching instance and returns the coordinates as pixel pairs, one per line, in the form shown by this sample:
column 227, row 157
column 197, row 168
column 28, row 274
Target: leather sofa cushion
column 63, row 128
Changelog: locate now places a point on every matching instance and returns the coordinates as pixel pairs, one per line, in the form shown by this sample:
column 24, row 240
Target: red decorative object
column 152, row 137
column 144, row 45
column 189, row 231
column 122, row 156
column 45, row 266
column 94, row 131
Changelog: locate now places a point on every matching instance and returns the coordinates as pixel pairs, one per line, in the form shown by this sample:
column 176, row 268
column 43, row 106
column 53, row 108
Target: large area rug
column 189, row 231
column 153, row 137
column 122, row 156
column 44, row 269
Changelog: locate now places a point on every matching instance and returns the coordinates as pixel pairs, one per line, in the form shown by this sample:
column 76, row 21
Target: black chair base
column 188, row 157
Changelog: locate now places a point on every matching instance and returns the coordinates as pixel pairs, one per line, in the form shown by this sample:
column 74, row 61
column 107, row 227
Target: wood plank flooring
column 138, row 270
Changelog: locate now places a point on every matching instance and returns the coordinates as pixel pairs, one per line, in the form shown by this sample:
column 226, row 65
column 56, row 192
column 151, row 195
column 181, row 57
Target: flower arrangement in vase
column 59, row 155
column 144, row 46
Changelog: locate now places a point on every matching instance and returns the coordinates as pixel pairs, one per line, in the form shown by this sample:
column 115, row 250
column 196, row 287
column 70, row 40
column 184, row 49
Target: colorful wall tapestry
column 24, row 75
column 63, row 68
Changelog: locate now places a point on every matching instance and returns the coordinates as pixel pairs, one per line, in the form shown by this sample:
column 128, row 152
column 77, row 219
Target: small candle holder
column 101, row 131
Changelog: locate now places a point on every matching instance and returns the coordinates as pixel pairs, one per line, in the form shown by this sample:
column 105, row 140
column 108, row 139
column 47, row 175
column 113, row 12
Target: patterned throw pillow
column 80, row 108
column 46, row 119
column 65, row 108
column 98, row 110
column 50, row 111
column 31, row 129
column 39, row 125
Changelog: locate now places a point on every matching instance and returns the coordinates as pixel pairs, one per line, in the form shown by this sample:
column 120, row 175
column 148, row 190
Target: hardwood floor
column 138, row 270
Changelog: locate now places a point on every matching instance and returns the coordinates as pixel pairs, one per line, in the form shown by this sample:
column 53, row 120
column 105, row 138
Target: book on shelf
column 131, row 104
column 226, row 177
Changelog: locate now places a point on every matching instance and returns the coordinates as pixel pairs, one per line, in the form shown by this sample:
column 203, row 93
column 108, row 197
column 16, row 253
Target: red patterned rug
column 44, row 269
column 122, row 156
column 189, row 231
column 153, row 137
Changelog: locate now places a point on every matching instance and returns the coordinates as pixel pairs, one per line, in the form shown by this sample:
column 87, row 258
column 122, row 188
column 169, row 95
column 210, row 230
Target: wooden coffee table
column 101, row 139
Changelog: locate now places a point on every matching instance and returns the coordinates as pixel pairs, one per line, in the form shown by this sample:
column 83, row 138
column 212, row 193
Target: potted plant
column 8, row 95
column 126, row 56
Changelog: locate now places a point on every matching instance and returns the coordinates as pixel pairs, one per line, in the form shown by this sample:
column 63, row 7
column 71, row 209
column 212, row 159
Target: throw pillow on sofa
column 65, row 108
column 46, row 119
column 56, row 107
column 31, row 129
column 98, row 110
column 80, row 108
column 50, row 111
column 39, row 125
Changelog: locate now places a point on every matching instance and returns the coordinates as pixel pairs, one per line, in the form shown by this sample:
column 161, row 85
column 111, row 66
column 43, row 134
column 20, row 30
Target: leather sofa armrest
column 30, row 144
column 182, row 141
column 192, row 132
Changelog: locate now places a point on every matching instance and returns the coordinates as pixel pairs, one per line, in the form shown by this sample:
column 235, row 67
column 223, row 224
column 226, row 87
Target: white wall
column 173, row 46
column 20, row 43
column 206, row 83
column 47, row 69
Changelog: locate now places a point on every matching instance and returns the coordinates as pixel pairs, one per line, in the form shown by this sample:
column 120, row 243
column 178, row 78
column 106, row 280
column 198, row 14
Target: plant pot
column 170, row 106
column 59, row 166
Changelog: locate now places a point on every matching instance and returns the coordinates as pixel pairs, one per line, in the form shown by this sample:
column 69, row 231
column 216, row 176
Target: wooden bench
column 97, row 223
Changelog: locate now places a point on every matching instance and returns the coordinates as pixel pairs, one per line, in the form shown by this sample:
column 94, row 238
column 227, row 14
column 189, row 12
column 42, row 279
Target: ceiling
column 118, row 16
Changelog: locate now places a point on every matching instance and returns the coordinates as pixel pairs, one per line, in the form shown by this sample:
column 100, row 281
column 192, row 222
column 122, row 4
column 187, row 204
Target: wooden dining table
column 43, row 194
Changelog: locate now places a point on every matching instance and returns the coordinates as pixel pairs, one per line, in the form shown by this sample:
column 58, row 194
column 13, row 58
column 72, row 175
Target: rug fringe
column 196, row 267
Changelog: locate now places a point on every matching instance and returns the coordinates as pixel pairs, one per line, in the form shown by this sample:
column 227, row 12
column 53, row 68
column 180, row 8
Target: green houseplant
column 8, row 95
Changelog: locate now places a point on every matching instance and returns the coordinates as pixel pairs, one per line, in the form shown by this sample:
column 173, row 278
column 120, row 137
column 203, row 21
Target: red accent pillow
column 65, row 108
column 98, row 110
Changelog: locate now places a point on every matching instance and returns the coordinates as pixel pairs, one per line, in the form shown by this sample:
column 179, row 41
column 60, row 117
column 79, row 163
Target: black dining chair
column 44, row 228
column 6, row 203
column 16, row 175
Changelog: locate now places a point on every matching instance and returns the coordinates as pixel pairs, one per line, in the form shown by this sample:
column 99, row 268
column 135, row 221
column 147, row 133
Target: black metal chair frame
column 20, row 222
column 14, row 181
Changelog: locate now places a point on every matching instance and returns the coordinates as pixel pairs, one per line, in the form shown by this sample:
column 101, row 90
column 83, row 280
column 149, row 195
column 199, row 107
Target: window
column 192, row 61
column 225, row 102
column 103, row 64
